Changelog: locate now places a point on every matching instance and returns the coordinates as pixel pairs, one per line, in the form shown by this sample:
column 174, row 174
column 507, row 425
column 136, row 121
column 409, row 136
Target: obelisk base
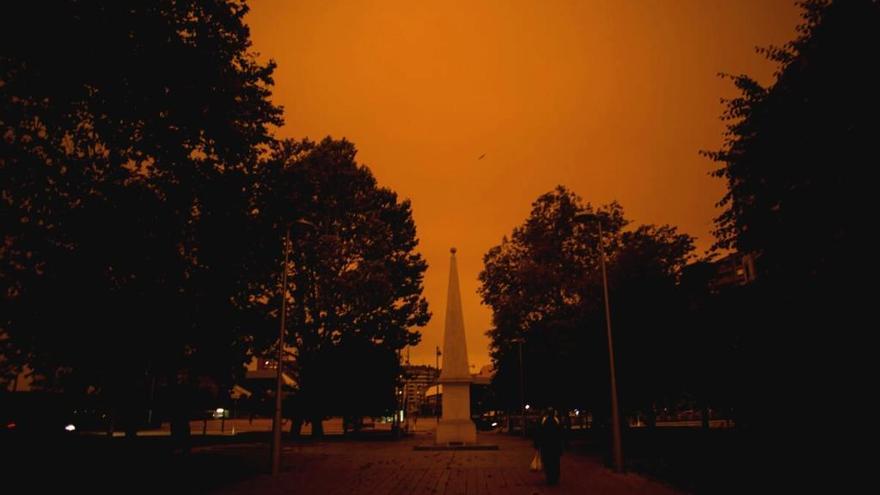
column 456, row 432
column 456, row 427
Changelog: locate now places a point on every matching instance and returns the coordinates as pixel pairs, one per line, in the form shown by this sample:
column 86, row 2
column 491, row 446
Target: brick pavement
column 394, row 467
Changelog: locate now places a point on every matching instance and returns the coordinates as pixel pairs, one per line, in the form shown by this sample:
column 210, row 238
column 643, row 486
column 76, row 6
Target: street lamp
column 617, row 449
column 437, row 393
column 522, row 394
column 279, row 379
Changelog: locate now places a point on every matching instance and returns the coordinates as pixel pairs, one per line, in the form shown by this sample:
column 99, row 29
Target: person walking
column 549, row 442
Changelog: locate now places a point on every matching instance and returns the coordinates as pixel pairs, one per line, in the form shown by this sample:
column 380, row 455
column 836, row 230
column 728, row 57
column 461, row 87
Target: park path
column 394, row 467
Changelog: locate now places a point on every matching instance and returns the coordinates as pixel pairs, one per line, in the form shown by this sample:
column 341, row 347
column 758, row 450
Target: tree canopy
column 130, row 133
column 356, row 277
column 797, row 160
column 797, row 152
column 544, row 286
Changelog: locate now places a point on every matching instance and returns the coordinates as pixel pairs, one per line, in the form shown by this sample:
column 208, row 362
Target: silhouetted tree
column 356, row 279
column 797, row 161
column 130, row 132
column 544, row 285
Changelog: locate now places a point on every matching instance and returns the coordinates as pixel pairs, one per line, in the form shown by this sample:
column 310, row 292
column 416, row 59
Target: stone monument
column 456, row 426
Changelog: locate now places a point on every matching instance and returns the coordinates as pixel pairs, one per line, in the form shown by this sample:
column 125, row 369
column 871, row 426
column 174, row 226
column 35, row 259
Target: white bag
column 536, row 462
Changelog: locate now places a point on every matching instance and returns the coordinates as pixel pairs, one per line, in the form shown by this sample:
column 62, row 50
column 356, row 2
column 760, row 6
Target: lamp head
column 586, row 218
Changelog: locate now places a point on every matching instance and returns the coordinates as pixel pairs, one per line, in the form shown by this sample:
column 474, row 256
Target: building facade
column 416, row 381
column 734, row 269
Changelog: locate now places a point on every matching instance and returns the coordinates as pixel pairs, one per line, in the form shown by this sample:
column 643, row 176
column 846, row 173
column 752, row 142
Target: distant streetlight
column 522, row 395
column 617, row 449
column 279, row 379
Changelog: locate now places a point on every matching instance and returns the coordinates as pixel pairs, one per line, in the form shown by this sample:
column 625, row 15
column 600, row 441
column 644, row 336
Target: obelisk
column 456, row 426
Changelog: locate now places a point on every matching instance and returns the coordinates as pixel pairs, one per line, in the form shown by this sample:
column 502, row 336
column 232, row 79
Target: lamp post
column 279, row 379
column 522, row 393
column 617, row 449
column 437, row 394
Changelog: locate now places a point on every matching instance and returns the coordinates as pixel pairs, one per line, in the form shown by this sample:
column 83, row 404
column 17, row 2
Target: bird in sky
column 481, row 156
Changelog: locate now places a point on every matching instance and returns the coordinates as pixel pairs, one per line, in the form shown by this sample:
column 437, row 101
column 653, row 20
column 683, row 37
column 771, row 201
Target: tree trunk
column 180, row 433
column 180, row 429
column 296, row 424
column 129, row 419
column 317, row 426
column 130, row 430
column 705, row 416
column 110, row 422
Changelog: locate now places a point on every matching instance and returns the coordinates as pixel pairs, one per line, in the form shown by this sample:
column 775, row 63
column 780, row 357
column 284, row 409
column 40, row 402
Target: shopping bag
column 536, row 462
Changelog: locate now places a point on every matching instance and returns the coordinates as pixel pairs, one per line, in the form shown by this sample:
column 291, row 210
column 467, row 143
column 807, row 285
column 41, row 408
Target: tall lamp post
column 279, row 378
column 617, row 449
column 522, row 393
column 437, row 393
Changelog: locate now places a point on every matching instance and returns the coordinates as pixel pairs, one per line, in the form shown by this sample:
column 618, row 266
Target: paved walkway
column 389, row 467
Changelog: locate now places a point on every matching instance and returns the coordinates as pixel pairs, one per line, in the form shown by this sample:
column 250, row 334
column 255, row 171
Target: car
column 47, row 413
column 489, row 421
column 35, row 413
column 689, row 415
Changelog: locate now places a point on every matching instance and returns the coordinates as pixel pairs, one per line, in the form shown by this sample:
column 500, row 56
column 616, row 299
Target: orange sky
column 610, row 98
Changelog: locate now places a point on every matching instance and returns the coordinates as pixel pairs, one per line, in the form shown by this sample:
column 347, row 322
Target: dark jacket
column 549, row 437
